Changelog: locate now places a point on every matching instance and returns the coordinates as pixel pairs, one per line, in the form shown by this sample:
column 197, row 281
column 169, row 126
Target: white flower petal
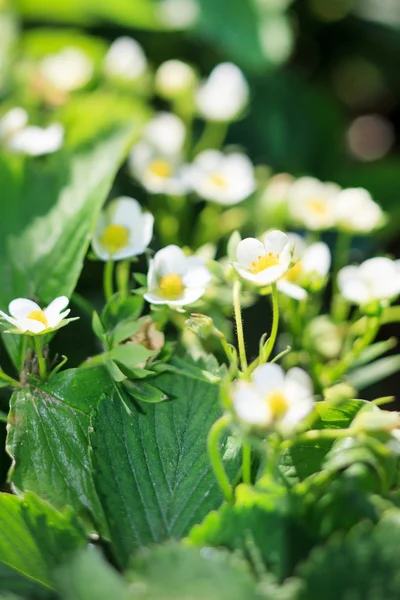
column 275, row 241
column 125, row 59
column 124, row 211
column 248, row 251
column 22, row 307
column 291, row 289
column 267, row 378
column 170, row 259
column 298, row 385
column 265, row 277
column 24, row 324
column 54, row 310
column 249, row 406
column 11, row 320
column 317, row 259
column 197, row 275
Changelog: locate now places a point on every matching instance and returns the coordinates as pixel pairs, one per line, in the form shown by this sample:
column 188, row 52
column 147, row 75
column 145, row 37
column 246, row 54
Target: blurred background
column 324, row 84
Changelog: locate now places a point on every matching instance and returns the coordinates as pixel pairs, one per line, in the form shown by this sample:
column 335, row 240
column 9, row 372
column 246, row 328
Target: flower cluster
column 21, row 138
column 318, row 206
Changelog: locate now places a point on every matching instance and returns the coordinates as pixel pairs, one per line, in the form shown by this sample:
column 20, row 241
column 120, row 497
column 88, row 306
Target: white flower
column 68, row 70
column 312, row 203
column 37, row 141
column 27, row 316
column 174, row 78
column 122, row 230
column 14, row 120
column 376, row 279
column 125, row 60
column 310, row 269
column 223, row 96
column 265, row 262
column 176, row 279
column 223, row 178
column 178, row 14
column 166, row 133
column 272, row 399
column 158, row 172
column 356, row 211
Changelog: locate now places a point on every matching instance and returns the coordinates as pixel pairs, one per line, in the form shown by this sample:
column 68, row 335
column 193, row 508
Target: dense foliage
column 197, row 230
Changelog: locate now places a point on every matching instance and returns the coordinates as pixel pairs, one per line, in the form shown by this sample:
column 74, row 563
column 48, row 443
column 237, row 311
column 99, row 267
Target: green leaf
column 130, row 354
column 34, row 537
column 306, row 457
column 125, row 330
column 254, row 35
column 49, row 208
column 145, row 392
column 362, row 565
column 370, row 374
column 175, row 572
column 97, row 326
column 151, row 467
column 374, row 351
column 87, row 576
column 138, row 14
column 14, row 583
column 259, row 525
column 48, row 440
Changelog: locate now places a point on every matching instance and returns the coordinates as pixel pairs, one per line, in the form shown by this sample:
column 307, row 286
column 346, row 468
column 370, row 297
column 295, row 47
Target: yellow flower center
column 160, row 168
column 171, row 286
column 264, row 262
column 318, row 206
column 295, row 272
column 38, row 315
column 114, row 238
column 278, row 404
column 218, row 180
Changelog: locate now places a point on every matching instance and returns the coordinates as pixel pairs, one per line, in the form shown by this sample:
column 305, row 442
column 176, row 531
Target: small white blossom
column 12, row 122
column 37, row 141
column 174, row 79
column 178, row 14
column 27, row 316
column 222, row 178
column 273, row 399
column 311, row 268
column 263, row 263
column 376, row 279
column 68, row 70
column 159, row 173
column 356, row 211
column 224, row 95
column 176, row 279
column 312, row 203
column 122, row 230
column 166, row 132
column 125, row 60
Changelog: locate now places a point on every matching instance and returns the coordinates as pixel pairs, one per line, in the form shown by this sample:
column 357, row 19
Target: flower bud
column 174, row 79
column 201, row 325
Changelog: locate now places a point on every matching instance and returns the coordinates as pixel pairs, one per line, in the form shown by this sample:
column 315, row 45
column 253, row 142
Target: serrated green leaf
column 34, row 537
column 259, row 525
column 48, row 440
column 306, row 457
column 87, row 576
column 49, row 208
column 176, row 572
column 363, row 565
column 151, row 466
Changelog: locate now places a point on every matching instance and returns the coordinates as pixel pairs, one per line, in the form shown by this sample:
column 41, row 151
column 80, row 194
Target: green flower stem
column 123, row 275
column 217, row 464
column 24, row 350
column 269, row 346
column 239, row 324
column 108, row 276
column 340, row 258
column 213, row 136
column 371, row 329
column 10, row 380
column 246, row 463
column 316, row 434
column 40, row 357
